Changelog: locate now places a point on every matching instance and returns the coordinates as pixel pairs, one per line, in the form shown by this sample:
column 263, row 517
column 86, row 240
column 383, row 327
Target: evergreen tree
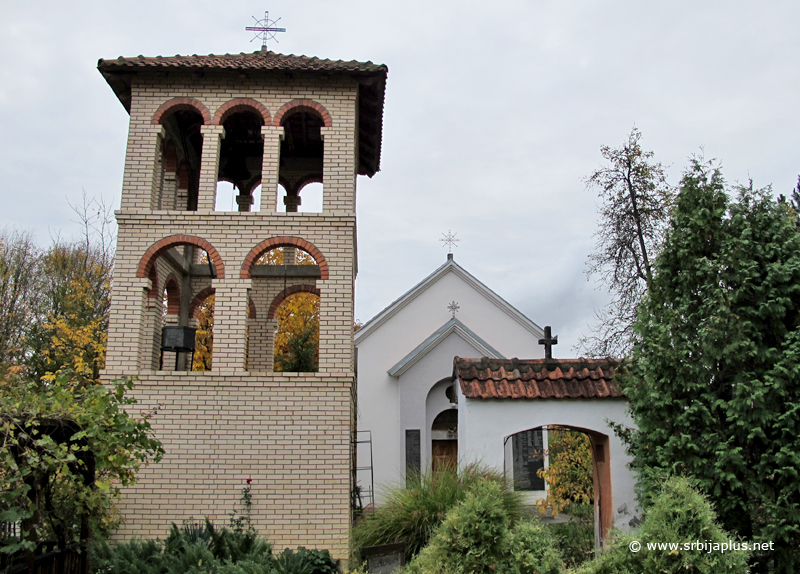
column 714, row 387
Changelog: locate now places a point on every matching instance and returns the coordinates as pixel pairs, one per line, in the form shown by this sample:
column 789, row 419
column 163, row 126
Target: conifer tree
column 715, row 383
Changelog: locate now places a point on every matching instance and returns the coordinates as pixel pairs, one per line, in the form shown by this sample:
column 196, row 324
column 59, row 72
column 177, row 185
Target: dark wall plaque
column 413, row 453
column 384, row 559
column 528, row 453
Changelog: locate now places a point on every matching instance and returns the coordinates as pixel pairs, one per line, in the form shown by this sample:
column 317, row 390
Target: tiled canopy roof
column 536, row 378
column 371, row 79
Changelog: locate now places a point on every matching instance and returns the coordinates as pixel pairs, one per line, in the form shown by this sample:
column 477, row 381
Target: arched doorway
column 529, row 450
column 444, row 440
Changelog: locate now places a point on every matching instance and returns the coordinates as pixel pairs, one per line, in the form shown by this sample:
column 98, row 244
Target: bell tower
column 258, row 121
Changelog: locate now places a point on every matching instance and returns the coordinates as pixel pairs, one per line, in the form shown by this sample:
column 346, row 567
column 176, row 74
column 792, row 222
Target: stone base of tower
column 290, row 434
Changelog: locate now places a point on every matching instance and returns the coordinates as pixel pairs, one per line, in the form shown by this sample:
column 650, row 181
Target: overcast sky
column 494, row 115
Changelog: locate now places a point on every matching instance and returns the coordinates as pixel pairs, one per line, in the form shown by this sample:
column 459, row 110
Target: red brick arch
column 176, row 104
column 241, row 105
column 283, row 241
column 280, row 297
column 302, row 105
column 251, row 310
column 198, row 299
column 159, row 247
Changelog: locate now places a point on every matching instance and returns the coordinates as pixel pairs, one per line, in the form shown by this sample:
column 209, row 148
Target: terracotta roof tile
column 244, row 61
column 536, row 378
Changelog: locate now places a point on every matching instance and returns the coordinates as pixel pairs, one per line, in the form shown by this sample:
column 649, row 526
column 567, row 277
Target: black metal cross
column 548, row 342
column 265, row 30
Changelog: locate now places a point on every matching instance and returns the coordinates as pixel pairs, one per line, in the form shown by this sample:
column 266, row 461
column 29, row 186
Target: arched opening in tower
column 181, row 150
column 301, row 160
column 240, row 161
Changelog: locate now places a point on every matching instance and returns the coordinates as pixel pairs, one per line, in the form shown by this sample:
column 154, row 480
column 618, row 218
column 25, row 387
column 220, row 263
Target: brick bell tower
column 260, row 119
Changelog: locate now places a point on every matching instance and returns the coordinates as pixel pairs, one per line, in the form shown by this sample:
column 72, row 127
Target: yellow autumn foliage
column 569, row 474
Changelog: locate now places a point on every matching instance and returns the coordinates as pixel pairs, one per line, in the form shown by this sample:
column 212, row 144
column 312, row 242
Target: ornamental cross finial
column 548, row 342
column 265, row 30
column 453, row 307
column 449, row 240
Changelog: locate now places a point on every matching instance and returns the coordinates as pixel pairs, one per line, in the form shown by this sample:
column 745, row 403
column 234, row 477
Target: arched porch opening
column 561, row 465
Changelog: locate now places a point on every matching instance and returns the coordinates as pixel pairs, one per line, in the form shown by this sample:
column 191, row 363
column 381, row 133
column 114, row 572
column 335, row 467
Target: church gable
column 424, row 309
column 453, row 327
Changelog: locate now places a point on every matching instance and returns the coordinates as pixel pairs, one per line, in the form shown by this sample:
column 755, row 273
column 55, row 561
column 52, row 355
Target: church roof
column 450, row 266
column 452, row 326
column 371, row 79
column 489, row 378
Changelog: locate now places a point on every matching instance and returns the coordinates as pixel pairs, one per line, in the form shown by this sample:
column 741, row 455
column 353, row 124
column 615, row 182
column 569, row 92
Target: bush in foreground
column 412, row 512
column 679, row 514
column 479, row 535
column 195, row 549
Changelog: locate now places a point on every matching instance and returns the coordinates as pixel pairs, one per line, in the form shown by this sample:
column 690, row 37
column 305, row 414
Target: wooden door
column 444, row 454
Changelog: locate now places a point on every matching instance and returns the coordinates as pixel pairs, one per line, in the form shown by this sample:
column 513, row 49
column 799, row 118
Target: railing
column 71, row 560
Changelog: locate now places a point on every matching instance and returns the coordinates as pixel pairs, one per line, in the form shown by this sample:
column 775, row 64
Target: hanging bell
column 236, row 169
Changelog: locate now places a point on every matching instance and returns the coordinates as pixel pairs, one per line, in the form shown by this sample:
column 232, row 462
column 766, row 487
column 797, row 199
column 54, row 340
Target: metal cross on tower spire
column 265, row 30
column 450, row 240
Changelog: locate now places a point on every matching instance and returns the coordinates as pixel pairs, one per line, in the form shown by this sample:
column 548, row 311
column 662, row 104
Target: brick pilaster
column 230, row 324
column 270, row 166
column 209, row 167
column 339, row 169
column 142, row 178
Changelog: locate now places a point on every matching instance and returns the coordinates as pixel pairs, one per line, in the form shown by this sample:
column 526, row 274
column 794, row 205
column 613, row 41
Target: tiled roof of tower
column 371, row 79
column 536, row 378
column 244, row 61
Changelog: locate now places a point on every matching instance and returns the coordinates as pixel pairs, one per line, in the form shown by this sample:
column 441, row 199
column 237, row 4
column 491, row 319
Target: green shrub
column 679, row 514
column 189, row 549
column 412, row 512
column 305, row 561
column 575, row 539
column 479, row 536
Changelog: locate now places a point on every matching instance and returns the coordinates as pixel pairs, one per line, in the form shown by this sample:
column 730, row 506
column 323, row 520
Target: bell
column 236, row 169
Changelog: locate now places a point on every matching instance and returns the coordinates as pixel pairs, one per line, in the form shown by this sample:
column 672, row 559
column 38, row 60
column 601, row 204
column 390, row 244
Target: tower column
column 338, row 169
column 129, row 328
column 142, row 179
column 209, row 166
column 273, row 135
column 230, row 324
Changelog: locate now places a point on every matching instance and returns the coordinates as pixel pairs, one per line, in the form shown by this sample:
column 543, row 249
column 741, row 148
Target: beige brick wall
column 289, row 432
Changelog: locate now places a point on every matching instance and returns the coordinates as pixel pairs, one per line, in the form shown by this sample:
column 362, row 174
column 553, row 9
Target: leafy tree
column 714, row 388
column 19, row 259
column 569, row 474
column 635, row 207
column 204, row 338
column 297, row 336
column 73, row 303
column 67, row 448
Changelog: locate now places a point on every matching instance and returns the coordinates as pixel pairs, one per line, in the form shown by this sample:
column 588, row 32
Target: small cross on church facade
column 453, row 307
column 548, row 342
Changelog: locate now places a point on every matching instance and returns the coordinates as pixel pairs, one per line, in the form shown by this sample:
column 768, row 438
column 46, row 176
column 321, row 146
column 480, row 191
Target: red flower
column 249, row 480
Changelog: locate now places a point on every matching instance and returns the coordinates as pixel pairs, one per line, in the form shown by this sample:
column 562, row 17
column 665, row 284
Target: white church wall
column 415, row 387
column 484, row 424
column 388, row 405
